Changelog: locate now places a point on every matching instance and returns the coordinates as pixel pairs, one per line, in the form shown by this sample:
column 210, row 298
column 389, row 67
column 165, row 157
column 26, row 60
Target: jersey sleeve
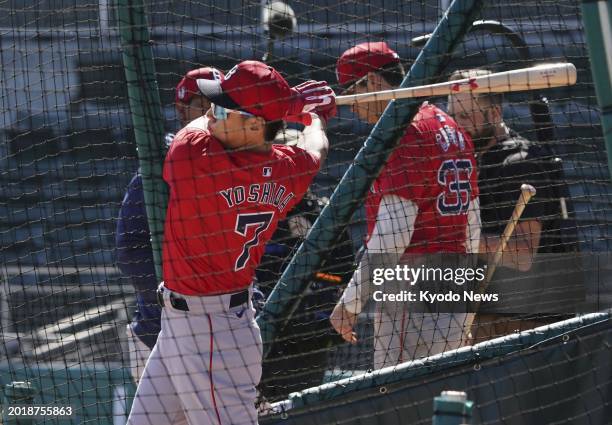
column 189, row 157
column 473, row 228
column 394, row 227
column 134, row 252
column 302, row 167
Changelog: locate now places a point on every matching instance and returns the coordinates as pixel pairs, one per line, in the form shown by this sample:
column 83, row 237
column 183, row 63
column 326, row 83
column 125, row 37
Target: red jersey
column 434, row 167
column 223, row 208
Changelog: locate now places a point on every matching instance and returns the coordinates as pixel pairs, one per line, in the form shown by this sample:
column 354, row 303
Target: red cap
column 253, row 87
column 187, row 88
column 363, row 58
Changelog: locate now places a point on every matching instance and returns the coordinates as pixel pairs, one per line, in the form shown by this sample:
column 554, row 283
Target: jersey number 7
column 261, row 222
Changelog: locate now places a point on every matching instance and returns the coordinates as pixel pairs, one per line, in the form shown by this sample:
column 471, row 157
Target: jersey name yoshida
column 272, row 194
column 223, row 208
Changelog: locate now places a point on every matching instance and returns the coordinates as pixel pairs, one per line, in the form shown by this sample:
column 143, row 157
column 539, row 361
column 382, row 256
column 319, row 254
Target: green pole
column 597, row 18
column 147, row 116
column 367, row 165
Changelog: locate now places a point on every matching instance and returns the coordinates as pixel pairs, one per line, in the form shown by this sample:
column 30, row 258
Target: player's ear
column 204, row 104
column 378, row 82
column 375, row 81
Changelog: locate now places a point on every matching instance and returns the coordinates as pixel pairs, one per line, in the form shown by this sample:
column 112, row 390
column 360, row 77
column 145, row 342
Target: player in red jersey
column 134, row 251
column 425, row 201
column 229, row 187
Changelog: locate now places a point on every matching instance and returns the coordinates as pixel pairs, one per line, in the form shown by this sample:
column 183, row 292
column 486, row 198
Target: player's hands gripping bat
column 312, row 97
column 527, row 192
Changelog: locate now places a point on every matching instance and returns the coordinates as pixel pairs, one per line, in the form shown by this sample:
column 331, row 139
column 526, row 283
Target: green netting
column 68, row 154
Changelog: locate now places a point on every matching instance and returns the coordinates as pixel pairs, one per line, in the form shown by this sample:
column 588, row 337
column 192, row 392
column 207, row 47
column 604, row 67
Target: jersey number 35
column 454, row 177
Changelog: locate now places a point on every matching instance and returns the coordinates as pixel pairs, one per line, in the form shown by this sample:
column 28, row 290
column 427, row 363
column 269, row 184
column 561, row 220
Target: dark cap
column 363, row 58
column 253, row 87
column 187, row 88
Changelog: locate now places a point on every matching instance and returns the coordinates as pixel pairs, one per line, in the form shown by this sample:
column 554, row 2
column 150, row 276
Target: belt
column 180, row 303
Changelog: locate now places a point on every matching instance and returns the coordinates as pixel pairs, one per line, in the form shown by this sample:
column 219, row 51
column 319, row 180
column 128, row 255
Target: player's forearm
column 314, row 140
column 521, row 247
column 516, row 256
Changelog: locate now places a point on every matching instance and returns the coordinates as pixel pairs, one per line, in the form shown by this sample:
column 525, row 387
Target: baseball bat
column 533, row 78
column 527, row 192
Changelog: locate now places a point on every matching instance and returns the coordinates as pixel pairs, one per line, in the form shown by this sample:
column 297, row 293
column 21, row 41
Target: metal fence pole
column 597, row 19
column 147, row 117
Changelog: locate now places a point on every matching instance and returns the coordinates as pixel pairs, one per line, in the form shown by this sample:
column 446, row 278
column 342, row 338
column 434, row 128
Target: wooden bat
column 533, row 78
column 527, row 192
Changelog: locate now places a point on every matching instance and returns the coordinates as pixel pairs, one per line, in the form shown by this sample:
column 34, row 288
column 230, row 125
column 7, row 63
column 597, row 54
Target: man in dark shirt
column 505, row 162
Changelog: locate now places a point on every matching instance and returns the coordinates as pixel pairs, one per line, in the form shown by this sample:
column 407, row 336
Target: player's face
column 235, row 129
column 473, row 117
column 369, row 112
column 196, row 108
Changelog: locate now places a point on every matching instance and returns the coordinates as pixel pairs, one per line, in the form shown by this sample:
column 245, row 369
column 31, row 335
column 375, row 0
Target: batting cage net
column 299, row 282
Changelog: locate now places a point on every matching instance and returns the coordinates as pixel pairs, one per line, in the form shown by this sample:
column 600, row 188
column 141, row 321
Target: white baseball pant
column 401, row 336
column 139, row 354
column 206, row 363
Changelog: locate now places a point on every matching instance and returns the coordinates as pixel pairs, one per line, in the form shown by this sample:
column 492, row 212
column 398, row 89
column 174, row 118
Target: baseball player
column 425, row 201
column 229, row 187
column 133, row 239
column 189, row 101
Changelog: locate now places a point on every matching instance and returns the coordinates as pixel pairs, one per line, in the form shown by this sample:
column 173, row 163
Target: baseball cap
column 363, row 58
column 253, row 87
column 187, row 88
